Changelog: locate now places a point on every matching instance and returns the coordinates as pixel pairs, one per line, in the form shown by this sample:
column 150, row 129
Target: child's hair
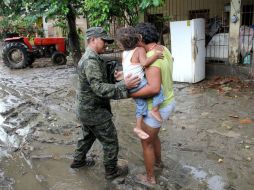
column 128, row 37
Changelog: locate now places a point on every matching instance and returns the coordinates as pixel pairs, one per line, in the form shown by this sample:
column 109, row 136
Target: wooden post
column 234, row 32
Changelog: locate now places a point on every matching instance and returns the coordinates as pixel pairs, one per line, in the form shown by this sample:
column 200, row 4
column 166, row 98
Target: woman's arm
column 153, row 75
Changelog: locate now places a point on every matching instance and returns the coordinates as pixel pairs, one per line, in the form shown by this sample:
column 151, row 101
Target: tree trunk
column 73, row 37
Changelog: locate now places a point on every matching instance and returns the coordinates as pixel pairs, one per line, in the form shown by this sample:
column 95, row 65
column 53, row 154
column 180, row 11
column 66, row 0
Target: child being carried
column 134, row 61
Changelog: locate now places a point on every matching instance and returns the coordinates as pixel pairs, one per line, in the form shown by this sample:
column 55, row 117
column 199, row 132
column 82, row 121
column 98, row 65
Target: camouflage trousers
column 107, row 135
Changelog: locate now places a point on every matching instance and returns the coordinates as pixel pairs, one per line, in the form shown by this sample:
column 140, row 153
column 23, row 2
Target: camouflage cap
column 99, row 32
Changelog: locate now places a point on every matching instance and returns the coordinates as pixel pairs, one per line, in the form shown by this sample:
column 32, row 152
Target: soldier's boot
column 118, row 171
column 85, row 162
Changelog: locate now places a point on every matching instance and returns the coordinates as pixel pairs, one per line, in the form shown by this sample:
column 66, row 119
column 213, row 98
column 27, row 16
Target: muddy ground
column 207, row 144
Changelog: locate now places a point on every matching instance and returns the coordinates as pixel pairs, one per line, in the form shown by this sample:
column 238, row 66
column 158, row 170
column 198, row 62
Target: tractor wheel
column 15, row 55
column 58, row 58
column 30, row 60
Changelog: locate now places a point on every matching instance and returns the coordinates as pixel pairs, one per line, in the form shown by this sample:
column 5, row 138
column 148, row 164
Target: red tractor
column 19, row 53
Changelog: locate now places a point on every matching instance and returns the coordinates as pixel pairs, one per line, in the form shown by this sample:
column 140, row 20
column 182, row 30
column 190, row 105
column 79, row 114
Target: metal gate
column 247, row 34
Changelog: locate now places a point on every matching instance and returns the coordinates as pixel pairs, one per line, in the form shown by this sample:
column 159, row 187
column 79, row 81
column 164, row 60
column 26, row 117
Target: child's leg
column 141, row 110
column 156, row 114
column 157, row 100
column 140, row 133
column 139, row 122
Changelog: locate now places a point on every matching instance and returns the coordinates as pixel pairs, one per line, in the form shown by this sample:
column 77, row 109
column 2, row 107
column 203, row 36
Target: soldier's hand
column 131, row 81
column 118, row 75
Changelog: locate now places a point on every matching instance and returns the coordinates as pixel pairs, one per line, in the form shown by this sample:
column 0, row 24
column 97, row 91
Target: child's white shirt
column 130, row 68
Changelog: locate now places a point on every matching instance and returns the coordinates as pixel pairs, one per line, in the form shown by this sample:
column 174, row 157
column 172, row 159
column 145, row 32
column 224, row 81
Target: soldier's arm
column 99, row 87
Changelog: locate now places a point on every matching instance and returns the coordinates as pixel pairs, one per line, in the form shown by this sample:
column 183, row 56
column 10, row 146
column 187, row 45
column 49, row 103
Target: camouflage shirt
column 94, row 91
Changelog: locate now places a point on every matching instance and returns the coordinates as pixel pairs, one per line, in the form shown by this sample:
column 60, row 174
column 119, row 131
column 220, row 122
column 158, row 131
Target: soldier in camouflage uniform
column 94, row 110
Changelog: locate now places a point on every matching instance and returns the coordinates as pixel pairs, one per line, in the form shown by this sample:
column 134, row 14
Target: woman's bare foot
column 140, row 133
column 156, row 115
column 144, row 180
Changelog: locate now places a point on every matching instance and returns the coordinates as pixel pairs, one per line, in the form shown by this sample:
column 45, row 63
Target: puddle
column 8, row 102
column 6, row 182
column 3, row 139
column 214, row 182
column 197, row 173
column 23, row 132
column 10, row 141
column 3, row 153
column 1, row 119
column 13, row 141
column 1, row 107
column 3, row 136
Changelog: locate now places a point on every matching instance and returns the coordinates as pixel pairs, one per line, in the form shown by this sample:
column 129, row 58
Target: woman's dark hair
column 128, row 37
column 148, row 32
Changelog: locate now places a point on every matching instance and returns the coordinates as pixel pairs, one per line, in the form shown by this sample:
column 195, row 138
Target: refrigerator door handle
column 194, row 48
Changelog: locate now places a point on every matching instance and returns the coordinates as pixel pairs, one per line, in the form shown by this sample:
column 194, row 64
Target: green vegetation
column 21, row 15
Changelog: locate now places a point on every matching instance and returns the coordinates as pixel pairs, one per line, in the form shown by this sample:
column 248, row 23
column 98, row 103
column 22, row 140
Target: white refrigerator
column 188, row 50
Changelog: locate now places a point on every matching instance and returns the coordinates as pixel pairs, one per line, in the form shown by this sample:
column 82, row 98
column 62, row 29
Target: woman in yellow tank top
column 159, row 73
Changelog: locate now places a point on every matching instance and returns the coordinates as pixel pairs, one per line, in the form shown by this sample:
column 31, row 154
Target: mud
column 207, row 144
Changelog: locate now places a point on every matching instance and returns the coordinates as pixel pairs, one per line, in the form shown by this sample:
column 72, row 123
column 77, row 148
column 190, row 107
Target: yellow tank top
column 166, row 68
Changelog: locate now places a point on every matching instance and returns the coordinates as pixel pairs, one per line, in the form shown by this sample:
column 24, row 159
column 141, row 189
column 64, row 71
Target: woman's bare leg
column 157, row 151
column 149, row 149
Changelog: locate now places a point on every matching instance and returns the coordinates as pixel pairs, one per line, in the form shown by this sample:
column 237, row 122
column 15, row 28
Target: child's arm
column 147, row 61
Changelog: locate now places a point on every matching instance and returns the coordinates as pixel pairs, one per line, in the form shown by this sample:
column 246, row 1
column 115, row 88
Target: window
column 203, row 13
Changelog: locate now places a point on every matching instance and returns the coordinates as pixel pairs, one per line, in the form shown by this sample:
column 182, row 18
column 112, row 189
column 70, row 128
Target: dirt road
column 207, row 144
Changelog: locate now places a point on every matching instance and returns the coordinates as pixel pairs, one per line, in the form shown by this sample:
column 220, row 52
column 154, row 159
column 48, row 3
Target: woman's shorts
column 165, row 114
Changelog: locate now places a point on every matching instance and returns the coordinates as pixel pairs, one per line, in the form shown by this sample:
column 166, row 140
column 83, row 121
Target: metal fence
column 247, row 32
